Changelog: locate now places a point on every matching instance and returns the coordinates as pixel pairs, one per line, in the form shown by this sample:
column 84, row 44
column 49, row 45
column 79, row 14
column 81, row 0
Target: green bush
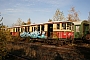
column 5, row 36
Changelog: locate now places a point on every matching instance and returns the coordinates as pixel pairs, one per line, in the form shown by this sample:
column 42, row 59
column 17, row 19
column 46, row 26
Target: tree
column 29, row 21
column 59, row 16
column 19, row 22
column 13, row 25
column 1, row 18
column 1, row 24
column 49, row 20
column 73, row 15
column 23, row 23
column 2, row 40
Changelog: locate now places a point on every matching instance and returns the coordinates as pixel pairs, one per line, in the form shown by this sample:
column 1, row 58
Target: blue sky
column 40, row 10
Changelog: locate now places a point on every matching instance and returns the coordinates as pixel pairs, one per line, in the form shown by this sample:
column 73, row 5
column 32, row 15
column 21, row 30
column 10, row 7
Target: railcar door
column 50, row 30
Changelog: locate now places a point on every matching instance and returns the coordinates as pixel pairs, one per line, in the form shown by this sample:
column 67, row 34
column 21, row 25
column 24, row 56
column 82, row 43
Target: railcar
column 61, row 30
column 56, row 29
column 82, row 30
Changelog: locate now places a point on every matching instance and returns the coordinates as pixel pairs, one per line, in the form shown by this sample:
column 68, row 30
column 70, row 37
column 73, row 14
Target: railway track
column 64, row 46
column 17, row 57
column 41, row 48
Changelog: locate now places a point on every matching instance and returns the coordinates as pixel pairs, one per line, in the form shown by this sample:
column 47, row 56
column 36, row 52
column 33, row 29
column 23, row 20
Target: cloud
column 13, row 10
column 42, row 10
column 9, row 9
column 28, row 5
column 60, row 3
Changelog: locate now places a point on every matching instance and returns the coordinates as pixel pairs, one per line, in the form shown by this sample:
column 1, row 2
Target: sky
column 40, row 11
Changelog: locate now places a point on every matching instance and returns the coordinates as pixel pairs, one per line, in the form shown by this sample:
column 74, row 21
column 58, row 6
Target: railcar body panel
column 77, row 29
column 15, row 33
column 65, row 34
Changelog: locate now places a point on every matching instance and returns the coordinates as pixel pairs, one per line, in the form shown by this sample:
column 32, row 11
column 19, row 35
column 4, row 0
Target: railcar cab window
column 58, row 26
column 64, row 25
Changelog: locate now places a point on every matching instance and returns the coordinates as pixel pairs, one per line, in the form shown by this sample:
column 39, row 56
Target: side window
column 64, row 25
column 68, row 26
column 42, row 28
column 77, row 28
column 28, row 28
column 18, row 29
column 21, row 29
column 32, row 29
column 58, row 26
column 38, row 28
column 25, row 29
column 13, row 29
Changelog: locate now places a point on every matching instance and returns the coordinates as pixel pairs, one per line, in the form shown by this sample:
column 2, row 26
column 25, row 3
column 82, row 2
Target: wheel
column 87, row 37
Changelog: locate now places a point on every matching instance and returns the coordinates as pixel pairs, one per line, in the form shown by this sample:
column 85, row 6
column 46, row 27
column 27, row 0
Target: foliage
column 4, row 37
column 23, row 23
column 73, row 15
column 49, row 20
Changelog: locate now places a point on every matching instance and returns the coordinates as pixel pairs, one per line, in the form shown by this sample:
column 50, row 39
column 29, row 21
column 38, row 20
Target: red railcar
column 59, row 29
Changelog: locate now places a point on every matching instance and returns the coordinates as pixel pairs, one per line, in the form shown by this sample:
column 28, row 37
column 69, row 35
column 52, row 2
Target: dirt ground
column 48, row 52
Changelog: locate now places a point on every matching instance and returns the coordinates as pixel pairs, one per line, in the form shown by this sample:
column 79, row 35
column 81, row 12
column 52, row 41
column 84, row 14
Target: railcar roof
column 56, row 22
column 77, row 22
column 37, row 24
column 26, row 25
column 44, row 23
column 17, row 26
